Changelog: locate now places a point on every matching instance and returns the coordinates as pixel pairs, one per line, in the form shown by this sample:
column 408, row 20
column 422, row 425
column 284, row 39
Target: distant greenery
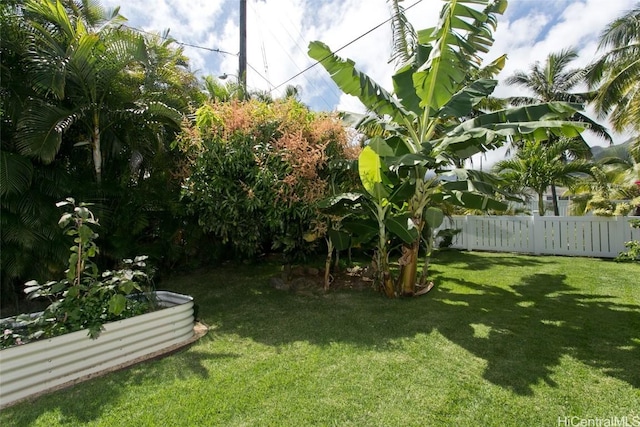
column 502, row 340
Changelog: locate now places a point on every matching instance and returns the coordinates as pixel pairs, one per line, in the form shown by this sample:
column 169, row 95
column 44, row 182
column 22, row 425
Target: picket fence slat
column 571, row 236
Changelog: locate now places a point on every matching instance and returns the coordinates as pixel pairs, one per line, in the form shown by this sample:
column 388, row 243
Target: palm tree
column 537, row 166
column 89, row 76
column 83, row 101
column 553, row 81
column 616, row 75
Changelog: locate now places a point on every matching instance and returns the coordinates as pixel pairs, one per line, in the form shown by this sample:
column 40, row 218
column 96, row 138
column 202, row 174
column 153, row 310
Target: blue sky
column 279, row 32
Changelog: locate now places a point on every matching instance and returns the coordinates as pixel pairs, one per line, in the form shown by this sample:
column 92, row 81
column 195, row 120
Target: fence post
column 535, row 240
column 623, row 225
column 471, row 232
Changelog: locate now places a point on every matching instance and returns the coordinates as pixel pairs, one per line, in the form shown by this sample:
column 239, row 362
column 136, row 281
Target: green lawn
column 502, row 340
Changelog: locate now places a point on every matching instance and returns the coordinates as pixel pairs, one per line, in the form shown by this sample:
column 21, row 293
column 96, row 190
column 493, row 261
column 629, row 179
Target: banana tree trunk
column 383, row 275
column 425, row 267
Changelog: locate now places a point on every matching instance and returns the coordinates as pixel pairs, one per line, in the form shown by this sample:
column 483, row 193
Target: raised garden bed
column 39, row 366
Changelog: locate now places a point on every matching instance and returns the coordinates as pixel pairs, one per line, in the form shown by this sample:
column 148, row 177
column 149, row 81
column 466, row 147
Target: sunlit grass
column 502, row 340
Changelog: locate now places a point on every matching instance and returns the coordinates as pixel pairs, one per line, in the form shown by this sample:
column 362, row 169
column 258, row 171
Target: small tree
column 538, row 166
column 86, row 298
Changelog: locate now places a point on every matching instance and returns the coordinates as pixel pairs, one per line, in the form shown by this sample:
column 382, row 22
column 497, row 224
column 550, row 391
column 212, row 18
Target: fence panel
column 571, row 236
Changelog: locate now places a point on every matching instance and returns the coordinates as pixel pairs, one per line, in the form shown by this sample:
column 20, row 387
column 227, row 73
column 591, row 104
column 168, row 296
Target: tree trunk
column 383, row 276
column 327, row 265
column 541, row 203
column 409, row 271
column 425, row 271
column 554, row 196
column 387, row 285
column 425, row 268
column 97, row 149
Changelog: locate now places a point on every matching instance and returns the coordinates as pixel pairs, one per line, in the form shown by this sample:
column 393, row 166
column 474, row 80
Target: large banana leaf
column 468, row 199
column 461, row 33
column 463, row 102
column 488, row 131
column 371, row 174
column 434, row 217
column 354, row 82
column 402, row 226
column 340, row 239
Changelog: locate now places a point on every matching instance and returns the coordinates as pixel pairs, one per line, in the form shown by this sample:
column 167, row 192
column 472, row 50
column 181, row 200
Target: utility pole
column 242, row 69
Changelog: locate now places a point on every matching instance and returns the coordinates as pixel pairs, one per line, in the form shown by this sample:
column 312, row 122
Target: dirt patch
column 301, row 279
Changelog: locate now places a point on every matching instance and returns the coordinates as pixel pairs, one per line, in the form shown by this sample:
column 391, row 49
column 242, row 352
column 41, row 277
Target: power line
column 338, row 50
column 286, row 52
column 216, row 50
column 210, row 49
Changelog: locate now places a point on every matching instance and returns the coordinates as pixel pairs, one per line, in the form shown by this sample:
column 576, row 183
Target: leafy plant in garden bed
column 84, row 298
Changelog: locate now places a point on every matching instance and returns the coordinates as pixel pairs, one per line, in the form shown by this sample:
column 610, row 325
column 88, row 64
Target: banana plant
column 431, row 123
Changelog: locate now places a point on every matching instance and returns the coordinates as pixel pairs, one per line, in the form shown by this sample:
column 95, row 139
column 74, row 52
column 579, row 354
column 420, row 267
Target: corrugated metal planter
column 38, row 366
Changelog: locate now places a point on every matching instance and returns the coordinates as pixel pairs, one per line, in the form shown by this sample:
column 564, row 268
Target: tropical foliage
column 88, row 110
column 537, row 166
column 615, row 178
column 553, row 81
column 429, row 126
column 615, row 74
column 92, row 109
column 254, row 172
column 85, row 298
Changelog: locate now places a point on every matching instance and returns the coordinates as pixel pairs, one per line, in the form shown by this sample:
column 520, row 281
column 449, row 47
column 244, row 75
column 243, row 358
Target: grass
column 502, row 340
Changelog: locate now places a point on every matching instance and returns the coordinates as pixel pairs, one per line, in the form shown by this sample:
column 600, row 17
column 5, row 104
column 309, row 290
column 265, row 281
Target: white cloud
column 279, row 33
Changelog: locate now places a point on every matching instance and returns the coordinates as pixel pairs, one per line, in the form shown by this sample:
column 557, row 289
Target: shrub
column 256, row 170
column 633, row 247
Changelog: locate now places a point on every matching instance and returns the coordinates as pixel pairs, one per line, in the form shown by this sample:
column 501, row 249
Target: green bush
column 256, row 171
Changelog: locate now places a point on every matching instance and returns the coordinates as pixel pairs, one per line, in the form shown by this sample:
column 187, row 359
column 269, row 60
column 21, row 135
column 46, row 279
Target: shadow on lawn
column 487, row 260
column 522, row 334
column 522, row 331
column 75, row 409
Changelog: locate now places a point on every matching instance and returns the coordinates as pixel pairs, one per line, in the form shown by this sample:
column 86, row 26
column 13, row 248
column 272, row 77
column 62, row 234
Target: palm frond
column 39, row 131
column 623, row 31
column 16, row 173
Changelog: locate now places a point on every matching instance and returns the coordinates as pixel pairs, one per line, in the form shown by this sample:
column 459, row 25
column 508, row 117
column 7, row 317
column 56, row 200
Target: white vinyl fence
column 573, row 236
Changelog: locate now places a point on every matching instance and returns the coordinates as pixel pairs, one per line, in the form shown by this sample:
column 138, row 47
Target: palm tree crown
column 553, row 81
column 537, row 166
column 617, row 72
